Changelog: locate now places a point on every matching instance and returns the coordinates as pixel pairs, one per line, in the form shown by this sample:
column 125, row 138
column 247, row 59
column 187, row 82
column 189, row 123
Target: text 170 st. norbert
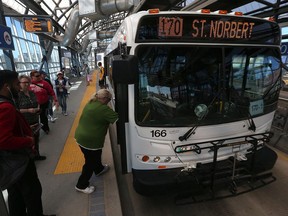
column 222, row 29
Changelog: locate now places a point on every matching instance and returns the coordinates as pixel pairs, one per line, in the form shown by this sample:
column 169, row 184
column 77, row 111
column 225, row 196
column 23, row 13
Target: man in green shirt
column 90, row 135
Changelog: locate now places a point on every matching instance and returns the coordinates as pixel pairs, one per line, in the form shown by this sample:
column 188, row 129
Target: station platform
column 59, row 173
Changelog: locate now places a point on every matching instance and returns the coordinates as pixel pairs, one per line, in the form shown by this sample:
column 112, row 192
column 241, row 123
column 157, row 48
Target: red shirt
column 14, row 128
column 42, row 90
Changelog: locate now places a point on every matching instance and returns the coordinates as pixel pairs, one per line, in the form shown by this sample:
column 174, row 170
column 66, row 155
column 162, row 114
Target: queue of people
column 16, row 139
column 24, row 102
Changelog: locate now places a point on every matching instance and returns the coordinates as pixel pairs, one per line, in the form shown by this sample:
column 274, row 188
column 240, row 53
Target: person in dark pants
column 62, row 92
column 30, row 109
column 90, row 135
column 43, row 91
column 101, row 75
column 24, row 196
column 50, row 113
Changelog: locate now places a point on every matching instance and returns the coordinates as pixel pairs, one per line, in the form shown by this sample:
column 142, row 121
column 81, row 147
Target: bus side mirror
column 125, row 69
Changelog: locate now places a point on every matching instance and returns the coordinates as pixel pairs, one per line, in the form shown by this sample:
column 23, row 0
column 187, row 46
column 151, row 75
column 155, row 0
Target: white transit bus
column 196, row 93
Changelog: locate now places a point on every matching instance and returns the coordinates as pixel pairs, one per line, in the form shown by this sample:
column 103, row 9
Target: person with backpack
column 24, row 193
column 62, row 92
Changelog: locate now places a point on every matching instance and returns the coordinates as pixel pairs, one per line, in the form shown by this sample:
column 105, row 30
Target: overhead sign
column 284, row 48
column 37, row 24
column 6, row 41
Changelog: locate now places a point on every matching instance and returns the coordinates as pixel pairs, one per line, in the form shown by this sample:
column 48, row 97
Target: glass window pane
column 19, row 28
column 184, row 85
column 2, row 58
column 35, row 38
column 24, row 51
column 28, row 36
column 16, row 53
column 32, row 51
column 38, row 51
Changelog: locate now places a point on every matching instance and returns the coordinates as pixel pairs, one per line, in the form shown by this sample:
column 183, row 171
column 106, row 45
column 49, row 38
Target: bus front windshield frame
column 200, row 85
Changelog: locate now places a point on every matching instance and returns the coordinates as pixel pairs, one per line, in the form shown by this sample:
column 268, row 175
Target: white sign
column 256, row 107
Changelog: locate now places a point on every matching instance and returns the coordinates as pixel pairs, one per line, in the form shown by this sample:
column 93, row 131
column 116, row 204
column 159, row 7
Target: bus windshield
column 188, row 85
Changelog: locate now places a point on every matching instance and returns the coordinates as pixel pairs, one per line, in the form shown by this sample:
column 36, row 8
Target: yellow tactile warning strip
column 71, row 159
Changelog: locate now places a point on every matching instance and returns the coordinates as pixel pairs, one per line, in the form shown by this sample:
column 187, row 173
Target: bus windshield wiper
column 192, row 130
column 188, row 134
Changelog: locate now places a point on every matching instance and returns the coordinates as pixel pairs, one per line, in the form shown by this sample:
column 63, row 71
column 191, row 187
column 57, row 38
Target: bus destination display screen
column 209, row 28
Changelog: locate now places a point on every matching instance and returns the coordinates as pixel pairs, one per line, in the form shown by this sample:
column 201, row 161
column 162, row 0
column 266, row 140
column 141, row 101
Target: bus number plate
column 170, row 27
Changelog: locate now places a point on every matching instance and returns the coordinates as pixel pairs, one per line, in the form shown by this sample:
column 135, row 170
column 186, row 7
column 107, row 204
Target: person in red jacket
column 43, row 91
column 24, row 196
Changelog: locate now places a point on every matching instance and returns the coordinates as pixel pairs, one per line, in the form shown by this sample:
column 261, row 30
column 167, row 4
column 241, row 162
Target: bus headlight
column 156, row 159
column 167, row 159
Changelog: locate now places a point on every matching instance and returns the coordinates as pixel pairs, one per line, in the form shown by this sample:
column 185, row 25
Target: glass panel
column 16, row 53
column 182, row 86
column 2, row 59
column 19, row 28
column 32, row 51
column 28, row 36
column 9, row 24
column 35, row 38
column 20, row 66
column 24, row 50
column 38, row 51
column 30, row 66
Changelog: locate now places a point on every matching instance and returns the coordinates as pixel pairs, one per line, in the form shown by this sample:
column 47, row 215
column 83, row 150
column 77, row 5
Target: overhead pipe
column 105, row 34
column 71, row 29
column 99, row 9
column 103, row 8
column 90, row 36
column 89, row 49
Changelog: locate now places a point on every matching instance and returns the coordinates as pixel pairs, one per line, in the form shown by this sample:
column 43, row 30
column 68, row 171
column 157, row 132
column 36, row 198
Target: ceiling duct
column 90, row 36
column 94, row 35
column 95, row 10
column 105, row 34
column 71, row 29
column 99, row 9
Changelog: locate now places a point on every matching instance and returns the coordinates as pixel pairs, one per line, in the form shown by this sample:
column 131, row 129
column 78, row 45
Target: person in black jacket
column 24, row 196
column 61, row 91
column 50, row 113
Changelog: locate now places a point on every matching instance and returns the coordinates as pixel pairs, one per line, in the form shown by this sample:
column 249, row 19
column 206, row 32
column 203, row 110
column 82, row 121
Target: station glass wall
column 28, row 52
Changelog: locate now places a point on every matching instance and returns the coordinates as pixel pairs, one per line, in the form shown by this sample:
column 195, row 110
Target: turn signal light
column 154, row 11
column 145, row 158
column 238, row 13
column 222, row 11
column 205, row 11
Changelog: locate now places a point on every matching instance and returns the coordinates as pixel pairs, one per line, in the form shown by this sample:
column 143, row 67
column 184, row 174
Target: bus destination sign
column 37, row 24
column 208, row 28
column 173, row 27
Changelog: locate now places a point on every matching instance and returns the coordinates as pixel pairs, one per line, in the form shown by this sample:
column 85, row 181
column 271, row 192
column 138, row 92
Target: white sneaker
column 52, row 119
column 105, row 169
column 88, row 190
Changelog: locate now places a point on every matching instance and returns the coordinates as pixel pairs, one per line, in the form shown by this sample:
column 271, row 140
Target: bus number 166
column 158, row 133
